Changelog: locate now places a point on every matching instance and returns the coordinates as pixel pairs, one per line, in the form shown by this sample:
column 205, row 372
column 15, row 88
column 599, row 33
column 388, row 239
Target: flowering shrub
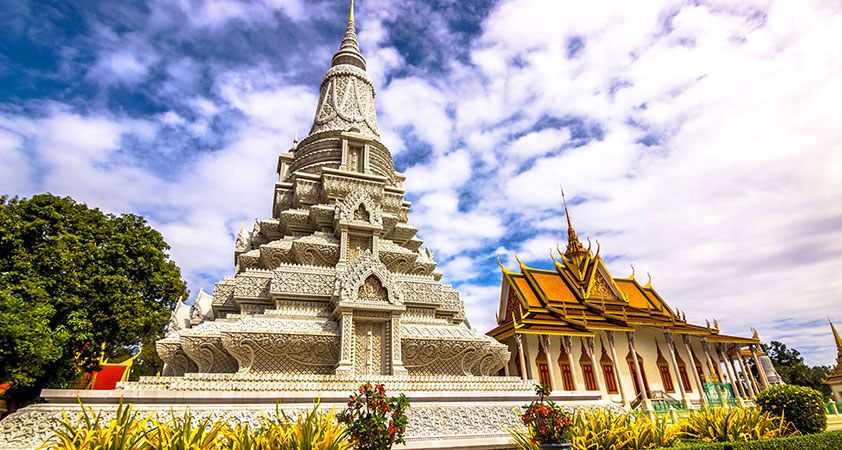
column 802, row 406
column 549, row 424
column 374, row 420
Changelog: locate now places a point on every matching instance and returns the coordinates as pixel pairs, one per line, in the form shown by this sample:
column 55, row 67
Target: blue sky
column 697, row 140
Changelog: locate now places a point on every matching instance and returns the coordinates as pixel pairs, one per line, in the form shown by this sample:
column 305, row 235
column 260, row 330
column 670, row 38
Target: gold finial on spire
column 351, row 15
column 649, row 283
column 632, row 275
column 566, row 214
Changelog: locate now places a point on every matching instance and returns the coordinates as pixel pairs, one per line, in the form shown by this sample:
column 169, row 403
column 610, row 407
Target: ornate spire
column 838, row 340
column 576, row 252
column 349, row 49
column 346, row 94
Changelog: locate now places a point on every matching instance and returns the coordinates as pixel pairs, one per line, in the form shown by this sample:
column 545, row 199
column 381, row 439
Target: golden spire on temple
column 351, row 15
column 838, row 340
column 576, row 252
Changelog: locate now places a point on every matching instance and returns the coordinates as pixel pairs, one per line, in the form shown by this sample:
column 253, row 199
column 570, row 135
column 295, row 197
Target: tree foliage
column 72, row 280
column 791, row 367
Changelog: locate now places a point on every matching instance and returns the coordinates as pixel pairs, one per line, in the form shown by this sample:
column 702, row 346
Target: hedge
column 823, row 441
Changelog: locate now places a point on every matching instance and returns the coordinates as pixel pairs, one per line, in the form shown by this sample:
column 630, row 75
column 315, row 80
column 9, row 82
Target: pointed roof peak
column 837, row 338
column 349, row 49
column 575, row 252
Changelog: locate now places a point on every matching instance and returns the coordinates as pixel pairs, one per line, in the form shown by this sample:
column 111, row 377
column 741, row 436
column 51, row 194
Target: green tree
column 791, row 367
column 72, row 281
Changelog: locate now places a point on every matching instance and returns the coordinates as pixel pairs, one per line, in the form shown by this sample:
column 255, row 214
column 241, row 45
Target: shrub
column 734, row 425
column 375, row 421
column 802, row 406
column 127, row 431
column 603, row 429
column 312, row 430
column 824, row 441
column 548, row 423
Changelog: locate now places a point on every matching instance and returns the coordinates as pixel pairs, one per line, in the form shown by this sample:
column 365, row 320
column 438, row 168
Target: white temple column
column 647, row 405
column 674, row 362
column 623, row 397
column 521, row 358
column 598, row 375
column 736, row 375
column 696, row 378
column 545, row 340
column 731, row 376
column 714, row 374
column 760, row 370
column 567, row 343
column 397, row 359
column 752, row 383
column 346, row 358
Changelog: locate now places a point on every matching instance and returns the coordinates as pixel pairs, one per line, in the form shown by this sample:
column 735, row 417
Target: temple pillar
column 567, row 343
column 346, row 346
column 674, row 362
column 696, row 378
column 545, row 340
column 760, row 370
column 611, row 338
column 708, row 359
column 598, row 375
column 395, row 337
column 647, row 405
column 731, row 376
column 752, row 381
column 521, row 357
column 746, row 375
column 734, row 369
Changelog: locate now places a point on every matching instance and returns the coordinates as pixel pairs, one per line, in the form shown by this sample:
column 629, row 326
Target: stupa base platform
column 451, row 418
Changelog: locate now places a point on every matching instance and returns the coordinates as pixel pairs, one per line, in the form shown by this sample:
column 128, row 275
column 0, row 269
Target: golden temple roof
column 580, row 297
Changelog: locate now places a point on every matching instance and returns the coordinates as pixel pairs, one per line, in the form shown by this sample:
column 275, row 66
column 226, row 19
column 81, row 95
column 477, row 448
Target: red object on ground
column 108, row 377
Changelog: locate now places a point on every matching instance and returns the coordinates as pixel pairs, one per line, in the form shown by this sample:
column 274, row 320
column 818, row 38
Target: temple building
column 335, row 284
column 834, row 378
column 578, row 328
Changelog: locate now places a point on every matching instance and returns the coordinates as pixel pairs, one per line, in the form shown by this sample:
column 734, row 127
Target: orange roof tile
column 526, row 292
column 554, row 287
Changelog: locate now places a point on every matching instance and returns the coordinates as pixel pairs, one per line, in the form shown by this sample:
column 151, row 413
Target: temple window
column 565, row 370
column 610, row 380
column 355, row 159
column 588, row 371
column 543, row 367
column 666, row 378
column 682, row 372
column 685, row 380
column 590, row 380
column 361, row 214
column 608, row 371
